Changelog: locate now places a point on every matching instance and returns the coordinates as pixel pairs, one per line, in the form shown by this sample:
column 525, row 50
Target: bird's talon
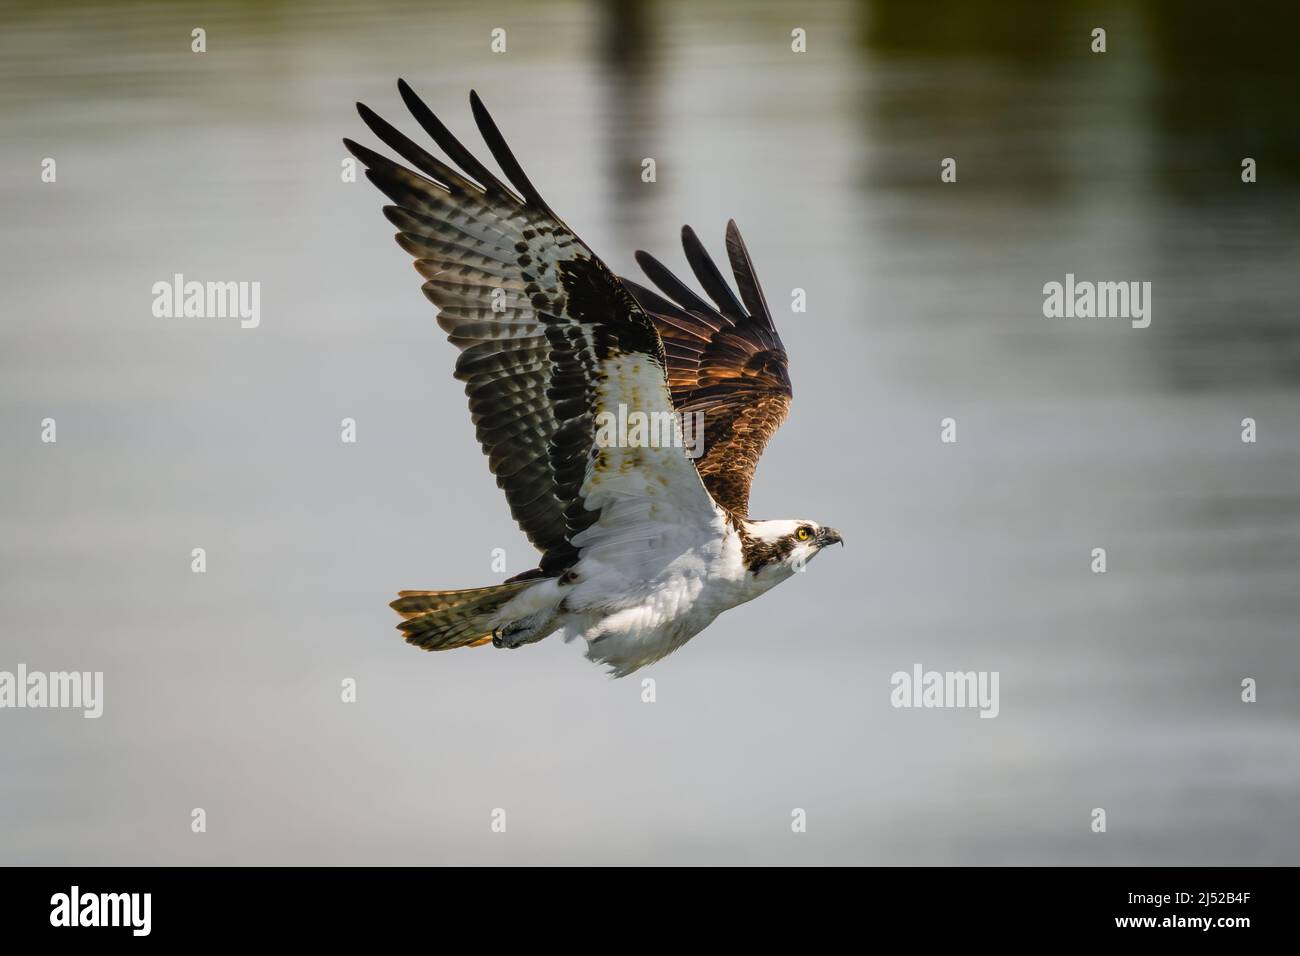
column 505, row 635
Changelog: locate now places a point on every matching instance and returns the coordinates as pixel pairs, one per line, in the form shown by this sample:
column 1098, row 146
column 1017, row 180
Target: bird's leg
column 526, row 630
column 512, row 635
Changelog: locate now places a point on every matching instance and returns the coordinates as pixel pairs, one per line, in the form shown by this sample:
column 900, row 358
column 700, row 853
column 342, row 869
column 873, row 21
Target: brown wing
column 724, row 359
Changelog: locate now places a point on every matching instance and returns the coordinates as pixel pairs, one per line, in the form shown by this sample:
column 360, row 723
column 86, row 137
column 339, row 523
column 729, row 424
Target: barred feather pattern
column 534, row 312
column 442, row 620
column 725, row 362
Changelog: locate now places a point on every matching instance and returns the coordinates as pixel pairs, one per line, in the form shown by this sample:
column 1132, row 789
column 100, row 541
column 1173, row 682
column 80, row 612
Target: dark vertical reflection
column 1224, row 87
column 629, row 66
column 1140, row 145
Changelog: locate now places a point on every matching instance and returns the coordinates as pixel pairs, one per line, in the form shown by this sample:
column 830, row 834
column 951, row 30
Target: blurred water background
column 1119, row 691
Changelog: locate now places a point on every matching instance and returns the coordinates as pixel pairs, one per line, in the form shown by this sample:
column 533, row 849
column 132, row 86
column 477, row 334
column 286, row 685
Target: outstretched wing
column 549, row 339
column 725, row 361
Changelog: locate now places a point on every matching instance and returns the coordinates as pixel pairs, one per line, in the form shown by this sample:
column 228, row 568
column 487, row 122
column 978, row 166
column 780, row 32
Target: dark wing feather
column 539, row 319
column 725, row 361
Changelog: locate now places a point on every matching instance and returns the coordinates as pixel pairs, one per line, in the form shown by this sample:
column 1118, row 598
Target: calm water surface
column 924, row 302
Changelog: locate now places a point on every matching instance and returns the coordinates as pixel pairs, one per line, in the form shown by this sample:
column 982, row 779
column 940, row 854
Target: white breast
column 631, row 616
column 661, row 562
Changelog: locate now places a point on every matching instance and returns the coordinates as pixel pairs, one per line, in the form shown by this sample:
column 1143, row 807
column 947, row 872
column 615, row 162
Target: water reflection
column 925, row 302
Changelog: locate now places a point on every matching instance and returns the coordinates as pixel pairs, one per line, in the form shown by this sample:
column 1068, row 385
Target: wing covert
column 725, row 360
column 549, row 337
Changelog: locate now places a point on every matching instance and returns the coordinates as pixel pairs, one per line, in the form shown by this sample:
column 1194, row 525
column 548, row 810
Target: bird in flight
column 645, row 538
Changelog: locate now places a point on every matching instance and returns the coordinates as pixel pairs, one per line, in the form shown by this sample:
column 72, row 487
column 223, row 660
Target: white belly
column 630, row 620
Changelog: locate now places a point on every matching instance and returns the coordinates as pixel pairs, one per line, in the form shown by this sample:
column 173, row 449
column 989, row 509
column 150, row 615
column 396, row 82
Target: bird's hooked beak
column 828, row 536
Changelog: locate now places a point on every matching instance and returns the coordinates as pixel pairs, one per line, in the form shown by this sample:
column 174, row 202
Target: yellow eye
column 803, row 534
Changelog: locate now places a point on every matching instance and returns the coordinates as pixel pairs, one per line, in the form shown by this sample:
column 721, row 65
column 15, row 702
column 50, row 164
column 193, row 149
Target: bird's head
column 777, row 549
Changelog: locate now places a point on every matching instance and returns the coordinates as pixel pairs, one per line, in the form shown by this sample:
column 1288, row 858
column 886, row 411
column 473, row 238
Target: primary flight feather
column 642, row 544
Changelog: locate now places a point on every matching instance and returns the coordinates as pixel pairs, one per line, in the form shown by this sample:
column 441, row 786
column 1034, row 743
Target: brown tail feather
column 441, row 620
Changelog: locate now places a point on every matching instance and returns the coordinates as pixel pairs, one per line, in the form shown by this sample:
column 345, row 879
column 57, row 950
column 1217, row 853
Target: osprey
column 642, row 545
